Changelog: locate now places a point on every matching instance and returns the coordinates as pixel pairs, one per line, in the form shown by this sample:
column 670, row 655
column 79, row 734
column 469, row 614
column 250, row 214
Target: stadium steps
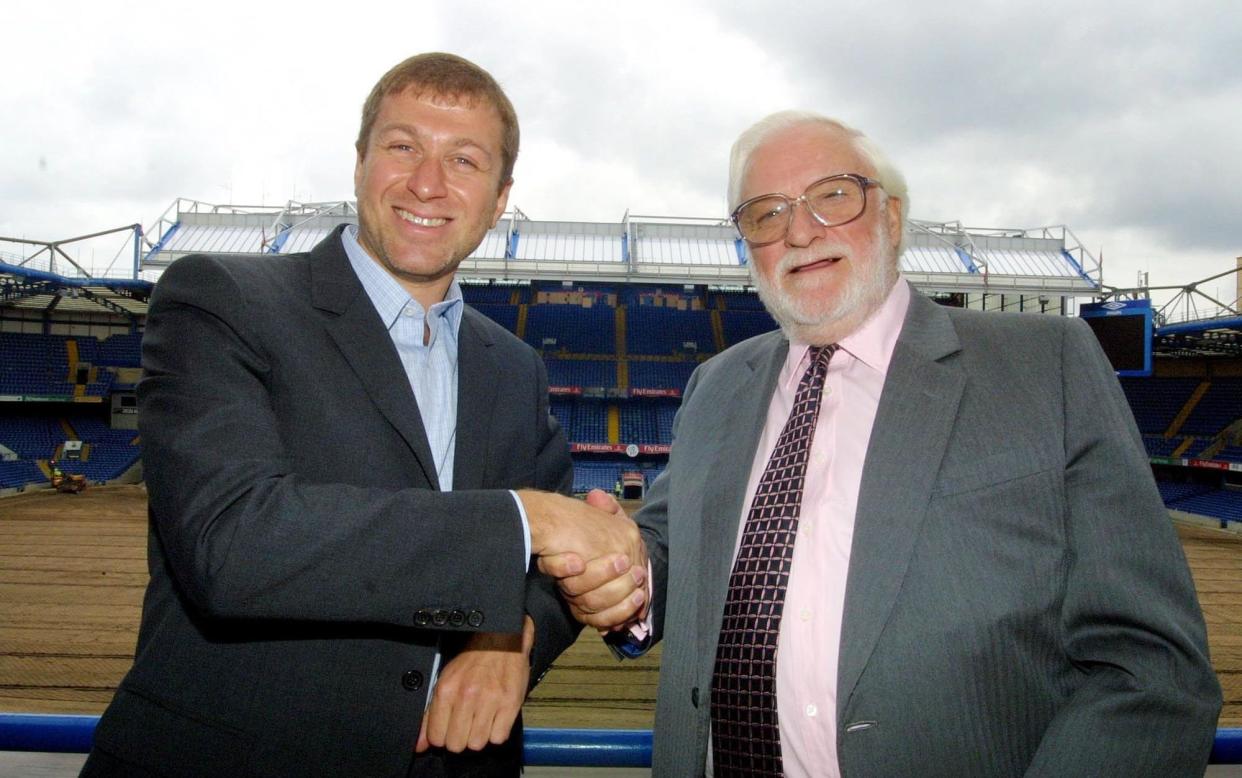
column 1229, row 436
column 614, row 424
column 70, row 433
column 1188, row 408
column 623, row 374
column 1184, row 446
column 619, row 329
column 718, row 331
column 521, row 322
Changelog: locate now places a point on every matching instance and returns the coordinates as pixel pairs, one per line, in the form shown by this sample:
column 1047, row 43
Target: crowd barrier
column 543, row 748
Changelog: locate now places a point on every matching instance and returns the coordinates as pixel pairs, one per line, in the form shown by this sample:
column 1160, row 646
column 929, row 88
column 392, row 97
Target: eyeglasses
column 832, row 201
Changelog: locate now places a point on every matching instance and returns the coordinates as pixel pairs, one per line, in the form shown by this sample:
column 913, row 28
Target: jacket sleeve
column 247, row 536
column 555, row 628
column 1142, row 696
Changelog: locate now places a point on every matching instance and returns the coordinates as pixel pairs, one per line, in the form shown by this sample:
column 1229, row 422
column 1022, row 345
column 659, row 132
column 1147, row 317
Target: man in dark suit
column 339, row 568
column 896, row 539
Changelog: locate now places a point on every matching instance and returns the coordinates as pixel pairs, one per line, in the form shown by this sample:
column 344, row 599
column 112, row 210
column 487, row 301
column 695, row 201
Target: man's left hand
column 479, row 692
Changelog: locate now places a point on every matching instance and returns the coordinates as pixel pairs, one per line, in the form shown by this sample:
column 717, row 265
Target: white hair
column 891, row 180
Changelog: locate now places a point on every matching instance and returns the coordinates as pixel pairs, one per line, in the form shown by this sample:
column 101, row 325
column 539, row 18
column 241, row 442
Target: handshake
column 595, row 553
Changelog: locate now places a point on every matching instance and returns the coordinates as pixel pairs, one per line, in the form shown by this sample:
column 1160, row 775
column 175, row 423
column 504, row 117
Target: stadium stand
column 573, row 329
column 740, row 325
column 503, row 314
column 654, row 330
column 594, row 373
column 660, row 375
column 1219, row 407
column 1157, row 401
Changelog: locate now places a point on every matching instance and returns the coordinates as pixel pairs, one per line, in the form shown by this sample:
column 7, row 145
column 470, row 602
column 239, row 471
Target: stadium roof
column 645, row 249
column 938, row 256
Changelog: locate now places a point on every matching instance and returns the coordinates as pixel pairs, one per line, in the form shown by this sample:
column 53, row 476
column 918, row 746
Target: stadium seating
column 740, row 325
column 660, row 375
column 654, row 330
column 1221, row 504
column 1156, row 401
column 504, row 315
column 571, row 328
column 582, row 372
column 1217, row 409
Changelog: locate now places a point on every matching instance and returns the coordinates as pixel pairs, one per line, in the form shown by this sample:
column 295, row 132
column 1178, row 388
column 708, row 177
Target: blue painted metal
column 1228, row 746
column 511, row 251
column 739, row 246
column 588, row 747
column 159, row 246
column 1077, row 266
column 967, row 262
column 279, row 241
column 45, row 732
column 59, row 280
column 59, row 733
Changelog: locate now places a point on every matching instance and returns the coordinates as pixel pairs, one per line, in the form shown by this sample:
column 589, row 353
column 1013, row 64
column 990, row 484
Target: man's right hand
column 596, row 553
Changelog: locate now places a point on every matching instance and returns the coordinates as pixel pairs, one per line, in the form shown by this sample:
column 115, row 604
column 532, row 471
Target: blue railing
column 544, row 747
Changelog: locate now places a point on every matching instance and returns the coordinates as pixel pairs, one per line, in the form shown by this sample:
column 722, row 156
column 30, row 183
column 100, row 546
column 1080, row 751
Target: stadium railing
column 60, row 733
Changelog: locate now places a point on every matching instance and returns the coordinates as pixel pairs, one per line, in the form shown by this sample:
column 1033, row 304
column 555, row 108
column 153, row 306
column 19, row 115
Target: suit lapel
column 744, row 402
column 364, row 342
column 477, row 374
column 912, row 428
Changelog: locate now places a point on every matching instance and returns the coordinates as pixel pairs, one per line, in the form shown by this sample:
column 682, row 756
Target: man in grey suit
column 330, row 443
column 973, row 573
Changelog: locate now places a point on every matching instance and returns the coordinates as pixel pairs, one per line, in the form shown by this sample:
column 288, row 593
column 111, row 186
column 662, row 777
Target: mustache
column 797, row 257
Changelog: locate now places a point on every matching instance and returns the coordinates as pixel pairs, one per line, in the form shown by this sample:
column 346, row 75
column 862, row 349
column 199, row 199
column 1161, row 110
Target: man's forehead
column 455, row 104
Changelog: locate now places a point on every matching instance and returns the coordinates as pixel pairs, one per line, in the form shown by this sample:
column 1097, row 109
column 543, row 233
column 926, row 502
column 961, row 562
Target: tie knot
column 819, row 357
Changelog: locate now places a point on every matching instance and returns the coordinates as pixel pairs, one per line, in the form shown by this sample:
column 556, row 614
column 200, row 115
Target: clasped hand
column 594, row 551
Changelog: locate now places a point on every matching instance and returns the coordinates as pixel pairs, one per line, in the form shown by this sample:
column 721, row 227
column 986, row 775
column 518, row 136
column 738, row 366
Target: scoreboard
column 1123, row 328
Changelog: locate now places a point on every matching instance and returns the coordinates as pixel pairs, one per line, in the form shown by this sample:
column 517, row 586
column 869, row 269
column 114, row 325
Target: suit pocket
column 146, row 732
column 992, row 470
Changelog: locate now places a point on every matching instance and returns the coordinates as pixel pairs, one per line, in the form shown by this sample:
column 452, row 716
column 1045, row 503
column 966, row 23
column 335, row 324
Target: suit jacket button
column 457, row 618
column 475, row 619
column 421, row 617
column 412, row 680
column 439, row 618
column 694, row 696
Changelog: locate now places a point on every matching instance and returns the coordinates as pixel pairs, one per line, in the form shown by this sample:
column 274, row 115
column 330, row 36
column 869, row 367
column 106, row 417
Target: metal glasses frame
column 863, row 182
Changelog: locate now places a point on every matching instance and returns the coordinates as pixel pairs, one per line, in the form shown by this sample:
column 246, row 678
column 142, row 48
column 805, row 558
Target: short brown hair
column 446, row 75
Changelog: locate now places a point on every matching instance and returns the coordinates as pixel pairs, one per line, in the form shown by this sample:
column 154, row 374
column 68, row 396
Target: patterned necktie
column 745, row 736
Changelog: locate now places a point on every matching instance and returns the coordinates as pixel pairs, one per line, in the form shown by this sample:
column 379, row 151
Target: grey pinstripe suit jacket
column 1017, row 600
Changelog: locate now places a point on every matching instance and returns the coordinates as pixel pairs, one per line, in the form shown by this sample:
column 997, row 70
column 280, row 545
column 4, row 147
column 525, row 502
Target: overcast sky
column 1122, row 121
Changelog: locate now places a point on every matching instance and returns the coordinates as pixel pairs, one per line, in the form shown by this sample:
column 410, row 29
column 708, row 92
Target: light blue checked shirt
column 431, row 367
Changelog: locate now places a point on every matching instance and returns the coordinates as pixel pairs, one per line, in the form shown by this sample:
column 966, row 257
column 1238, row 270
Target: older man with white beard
column 899, row 539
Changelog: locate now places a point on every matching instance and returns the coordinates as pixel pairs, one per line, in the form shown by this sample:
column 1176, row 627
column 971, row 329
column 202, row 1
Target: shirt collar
column 390, row 298
column 872, row 344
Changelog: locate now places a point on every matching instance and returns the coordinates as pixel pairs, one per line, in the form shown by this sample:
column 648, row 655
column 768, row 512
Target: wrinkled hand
column 607, row 591
column 479, row 692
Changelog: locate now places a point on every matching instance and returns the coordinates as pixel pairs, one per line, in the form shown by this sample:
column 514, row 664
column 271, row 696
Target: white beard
column 821, row 321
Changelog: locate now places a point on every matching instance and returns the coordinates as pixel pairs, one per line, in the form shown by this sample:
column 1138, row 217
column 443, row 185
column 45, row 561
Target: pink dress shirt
column 810, row 637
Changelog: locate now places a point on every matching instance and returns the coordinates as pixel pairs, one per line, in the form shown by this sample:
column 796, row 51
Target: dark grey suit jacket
column 304, row 565
column 1017, row 601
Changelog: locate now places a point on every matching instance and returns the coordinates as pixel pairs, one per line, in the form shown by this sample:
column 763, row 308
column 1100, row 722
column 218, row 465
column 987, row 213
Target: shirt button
column 409, row 312
column 811, row 710
column 805, row 614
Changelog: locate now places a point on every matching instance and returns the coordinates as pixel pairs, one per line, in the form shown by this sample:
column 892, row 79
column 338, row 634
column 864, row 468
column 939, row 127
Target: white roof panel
column 931, row 259
column 216, row 238
column 1027, row 262
column 494, row 244
column 575, row 247
column 685, row 251
column 304, row 239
